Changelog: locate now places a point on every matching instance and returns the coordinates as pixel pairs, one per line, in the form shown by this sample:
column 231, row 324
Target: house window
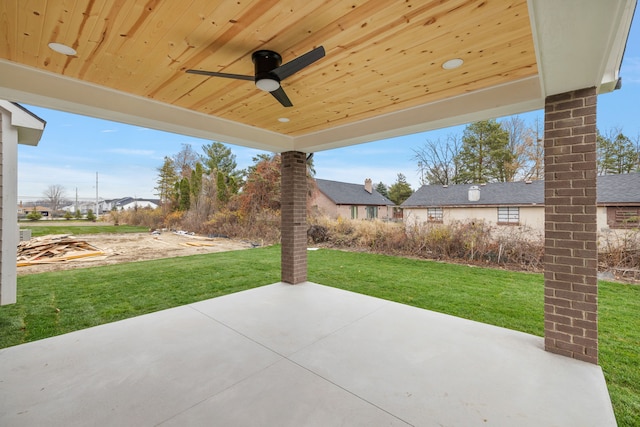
column 509, row 215
column 354, row 212
column 623, row 216
column 372, row 212
column 434, row 214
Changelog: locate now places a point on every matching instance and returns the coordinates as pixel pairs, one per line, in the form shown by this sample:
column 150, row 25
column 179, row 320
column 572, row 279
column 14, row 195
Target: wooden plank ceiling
column 382, row 56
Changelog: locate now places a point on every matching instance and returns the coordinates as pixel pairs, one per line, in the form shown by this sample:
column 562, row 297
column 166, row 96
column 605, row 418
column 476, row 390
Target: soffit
column 382, row 75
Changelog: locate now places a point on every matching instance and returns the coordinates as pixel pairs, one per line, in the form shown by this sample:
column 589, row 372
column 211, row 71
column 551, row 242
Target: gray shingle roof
column 612, row 189
column 624, row 188
column 343, row 193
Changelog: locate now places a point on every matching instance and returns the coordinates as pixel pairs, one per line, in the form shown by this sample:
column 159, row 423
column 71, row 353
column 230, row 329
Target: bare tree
column 185, row 161
column 55, row 195
column 534, row 153
column 437, row 161
column 520, row 140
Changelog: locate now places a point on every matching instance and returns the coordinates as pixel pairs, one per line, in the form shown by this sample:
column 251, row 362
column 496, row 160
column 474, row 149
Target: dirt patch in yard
column 130, row 247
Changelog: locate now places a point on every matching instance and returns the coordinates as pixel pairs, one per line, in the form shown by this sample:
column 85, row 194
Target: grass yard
column 55, row 303
column 60, row 228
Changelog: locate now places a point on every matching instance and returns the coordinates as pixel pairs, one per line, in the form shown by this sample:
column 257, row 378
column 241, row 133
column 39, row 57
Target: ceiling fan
column 269, row 73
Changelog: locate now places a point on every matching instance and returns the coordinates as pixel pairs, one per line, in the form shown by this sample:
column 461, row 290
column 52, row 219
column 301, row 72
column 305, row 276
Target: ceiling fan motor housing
column 264, row 62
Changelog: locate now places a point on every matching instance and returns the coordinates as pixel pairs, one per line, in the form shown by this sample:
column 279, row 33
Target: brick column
column 571, row 254
column 294, row 217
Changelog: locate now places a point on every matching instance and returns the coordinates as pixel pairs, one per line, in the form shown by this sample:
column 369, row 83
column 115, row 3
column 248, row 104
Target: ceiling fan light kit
column 268, row 73
column 267, row 85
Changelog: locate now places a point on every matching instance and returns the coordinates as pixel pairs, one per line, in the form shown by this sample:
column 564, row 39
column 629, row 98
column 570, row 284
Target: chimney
column 368, row 187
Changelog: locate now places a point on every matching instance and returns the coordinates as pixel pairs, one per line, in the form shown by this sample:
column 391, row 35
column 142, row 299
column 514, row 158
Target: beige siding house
column 511, row 204
column 355, row 201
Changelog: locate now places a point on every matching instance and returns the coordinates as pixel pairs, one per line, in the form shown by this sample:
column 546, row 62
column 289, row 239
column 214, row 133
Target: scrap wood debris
column 197, row 244
column 54, row 249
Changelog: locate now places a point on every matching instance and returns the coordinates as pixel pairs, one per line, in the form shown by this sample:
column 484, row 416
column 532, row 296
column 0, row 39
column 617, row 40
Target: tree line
column 510, row 150
column 194, row 187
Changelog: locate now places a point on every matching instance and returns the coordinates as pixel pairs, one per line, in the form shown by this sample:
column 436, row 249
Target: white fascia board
column 33, row 86
column 579, row 43
column 511, row 98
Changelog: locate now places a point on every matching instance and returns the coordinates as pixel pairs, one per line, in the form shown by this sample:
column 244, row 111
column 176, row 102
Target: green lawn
column 55, row 303
column 60, row 228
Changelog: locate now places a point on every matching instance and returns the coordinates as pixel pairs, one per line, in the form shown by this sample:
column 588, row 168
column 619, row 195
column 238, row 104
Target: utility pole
column 76, row 201
column 97, row 214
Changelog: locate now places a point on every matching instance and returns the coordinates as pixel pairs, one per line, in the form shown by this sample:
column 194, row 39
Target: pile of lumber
column 54, row 249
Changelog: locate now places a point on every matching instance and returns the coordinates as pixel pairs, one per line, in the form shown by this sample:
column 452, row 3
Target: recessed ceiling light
column 452, row 63
column 283, row 120
column 62, row 48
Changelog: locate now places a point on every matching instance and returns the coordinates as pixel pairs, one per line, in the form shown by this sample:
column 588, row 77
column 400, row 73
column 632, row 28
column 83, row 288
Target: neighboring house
column 83, row 207
column 44, row 211
column 522, row 203
column 340, row 199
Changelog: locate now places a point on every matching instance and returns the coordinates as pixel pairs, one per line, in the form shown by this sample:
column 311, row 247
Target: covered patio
column 310, row 355
column 307, row 355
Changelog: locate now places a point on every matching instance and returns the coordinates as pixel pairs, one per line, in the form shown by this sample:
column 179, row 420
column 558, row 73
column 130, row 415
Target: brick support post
column 294, row 217
column 571, row 254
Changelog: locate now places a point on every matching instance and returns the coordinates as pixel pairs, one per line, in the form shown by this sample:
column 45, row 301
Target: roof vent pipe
column 474, row 193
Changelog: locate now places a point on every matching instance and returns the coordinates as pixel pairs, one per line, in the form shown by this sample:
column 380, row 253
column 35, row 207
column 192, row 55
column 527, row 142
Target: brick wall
column 570, row 278
column 294, row 217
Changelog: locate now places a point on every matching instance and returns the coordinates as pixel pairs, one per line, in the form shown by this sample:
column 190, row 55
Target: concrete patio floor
column 304, row 355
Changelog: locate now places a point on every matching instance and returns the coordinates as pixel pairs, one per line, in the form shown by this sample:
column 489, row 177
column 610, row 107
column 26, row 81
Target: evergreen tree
column 382, row 189
column 34, row 215
column 196, row 183
column 400, row 190
column 217, row 157
column 166, row 182
column 484, row 156
column 221, row 185
column 220, row 164
column 184, row 194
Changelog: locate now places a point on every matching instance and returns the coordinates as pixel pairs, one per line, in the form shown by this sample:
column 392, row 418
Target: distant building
column 356, row 201
column 521, row 203
column 105, row 206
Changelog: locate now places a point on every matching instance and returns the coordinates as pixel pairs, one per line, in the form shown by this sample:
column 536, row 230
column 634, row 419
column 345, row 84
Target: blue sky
column 73, row 148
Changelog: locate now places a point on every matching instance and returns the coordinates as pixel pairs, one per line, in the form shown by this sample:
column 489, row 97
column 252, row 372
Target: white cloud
column 131, row 152
column 108, row 130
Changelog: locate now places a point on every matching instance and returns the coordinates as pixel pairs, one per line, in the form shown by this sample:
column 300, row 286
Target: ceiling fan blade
column 226, row 75
column 299, row 63
column 281, row 97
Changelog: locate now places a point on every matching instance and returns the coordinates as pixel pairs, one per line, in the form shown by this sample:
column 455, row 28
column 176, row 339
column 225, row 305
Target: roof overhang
column 578, row 44
column 30, row 127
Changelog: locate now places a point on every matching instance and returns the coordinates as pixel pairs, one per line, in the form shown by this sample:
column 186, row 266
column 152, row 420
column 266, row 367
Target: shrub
column 619, row 251
column 471, row 241
column 34, row 215
column 263, row 226
column 146, row 217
